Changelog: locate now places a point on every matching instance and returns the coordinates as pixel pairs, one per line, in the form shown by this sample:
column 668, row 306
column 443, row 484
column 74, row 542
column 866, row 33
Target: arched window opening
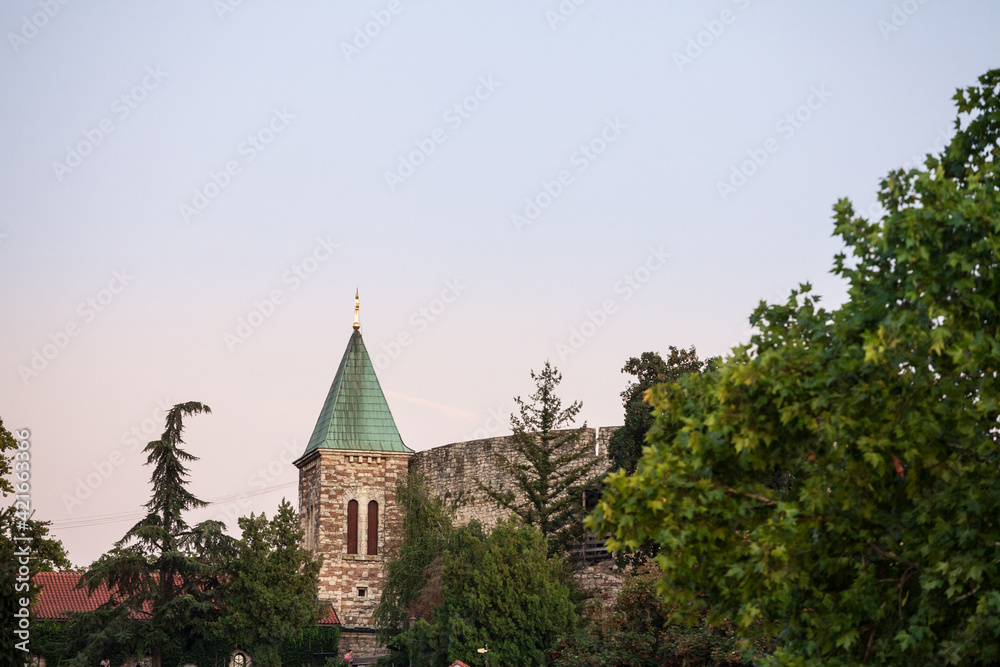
column 352, row 527
column 372, row 528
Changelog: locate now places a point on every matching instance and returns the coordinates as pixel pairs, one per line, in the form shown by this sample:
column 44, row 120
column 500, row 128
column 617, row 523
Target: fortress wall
column 452, row 472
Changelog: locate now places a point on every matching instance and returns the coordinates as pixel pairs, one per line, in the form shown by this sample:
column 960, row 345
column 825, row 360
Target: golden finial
column 357, row 307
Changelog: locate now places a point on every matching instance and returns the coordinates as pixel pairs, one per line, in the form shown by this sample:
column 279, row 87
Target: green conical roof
column 355, row 414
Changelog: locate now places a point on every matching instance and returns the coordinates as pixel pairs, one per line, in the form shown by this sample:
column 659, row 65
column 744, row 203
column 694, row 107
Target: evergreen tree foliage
column 881, row 544
column 626, row 443
column 549, row 470
column 268, row 596
column 502, row 591
column 165, row 573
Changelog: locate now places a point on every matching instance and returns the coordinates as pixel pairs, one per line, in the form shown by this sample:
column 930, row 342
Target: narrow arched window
column 372, row 528
column 352, row 527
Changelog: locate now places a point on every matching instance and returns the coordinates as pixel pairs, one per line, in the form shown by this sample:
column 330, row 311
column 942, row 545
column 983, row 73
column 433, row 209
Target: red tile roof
column 330, row 617
column 59, row 596
column 458, row 663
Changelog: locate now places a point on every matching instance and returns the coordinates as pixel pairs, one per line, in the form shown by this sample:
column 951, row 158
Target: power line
column 103, row 519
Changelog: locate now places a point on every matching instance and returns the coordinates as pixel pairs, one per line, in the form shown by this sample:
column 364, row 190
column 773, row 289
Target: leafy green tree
column 635, row 631
column 500, row 590
column 549, row 469
column 269, row 594
column 881, row 547
column 164, row 572
column 626, row 443
column 7, row 443
column 426, row 530
column 24, row 542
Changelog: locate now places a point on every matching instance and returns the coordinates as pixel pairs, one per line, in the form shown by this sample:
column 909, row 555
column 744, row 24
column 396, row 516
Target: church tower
column 347, row 486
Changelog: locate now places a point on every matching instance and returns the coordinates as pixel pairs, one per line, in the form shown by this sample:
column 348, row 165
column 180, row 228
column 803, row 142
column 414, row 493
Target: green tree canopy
column 24, row 542
column 883, row 545
column 165, row 573
column 500, row 590
column 426, row 530
column 549, row 469
column 626, row 443
column 269, row 593
column 635, row 631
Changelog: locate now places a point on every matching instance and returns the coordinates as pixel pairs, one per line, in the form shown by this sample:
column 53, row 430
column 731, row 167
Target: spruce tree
column 549, row 469
column 163, row 572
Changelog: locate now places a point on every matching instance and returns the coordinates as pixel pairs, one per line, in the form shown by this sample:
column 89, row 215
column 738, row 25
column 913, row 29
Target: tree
column 163, row 572
column 7, row 443
column 549, row 469
column 269, row 593
column 882, row 545
column 626, row 443
column 500, row 590
column 426, row 529
column 24, row 543
column 635, row 632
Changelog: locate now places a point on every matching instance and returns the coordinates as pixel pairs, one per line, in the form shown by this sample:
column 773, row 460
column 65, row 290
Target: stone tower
column 347, row 487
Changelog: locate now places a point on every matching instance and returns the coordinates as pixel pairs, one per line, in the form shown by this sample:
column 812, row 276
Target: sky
column 191, row 192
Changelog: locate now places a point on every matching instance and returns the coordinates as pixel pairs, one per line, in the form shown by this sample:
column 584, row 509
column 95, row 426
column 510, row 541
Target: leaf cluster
column 635, row 631
column 838, row 478
column 499, row 590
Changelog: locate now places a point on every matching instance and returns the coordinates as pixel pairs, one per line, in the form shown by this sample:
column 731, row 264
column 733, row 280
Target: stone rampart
column 454, row 472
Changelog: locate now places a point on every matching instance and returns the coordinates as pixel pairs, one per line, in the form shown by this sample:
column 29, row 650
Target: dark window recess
column 362, row 592
column 590, row 498
column 352, row 527
column 372, row 528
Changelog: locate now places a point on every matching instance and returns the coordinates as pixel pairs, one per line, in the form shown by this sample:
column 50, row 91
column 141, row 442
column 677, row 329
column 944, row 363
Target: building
column 347, row 484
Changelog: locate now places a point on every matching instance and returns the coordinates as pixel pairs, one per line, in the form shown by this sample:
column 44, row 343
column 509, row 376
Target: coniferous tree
column 269, row 594
column 549, row 470
column 163, row 572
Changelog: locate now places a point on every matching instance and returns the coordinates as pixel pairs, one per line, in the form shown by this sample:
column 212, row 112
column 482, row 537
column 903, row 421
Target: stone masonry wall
column 453, row 472
column 328, row 481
